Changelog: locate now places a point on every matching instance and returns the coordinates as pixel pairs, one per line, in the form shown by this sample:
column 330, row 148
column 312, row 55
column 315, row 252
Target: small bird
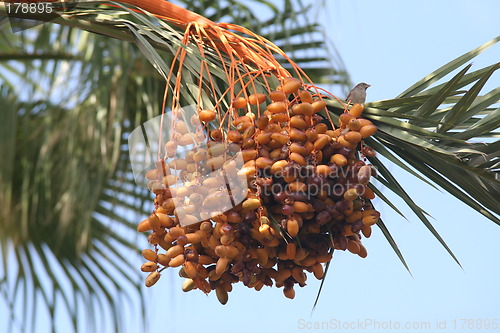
column 358, row 93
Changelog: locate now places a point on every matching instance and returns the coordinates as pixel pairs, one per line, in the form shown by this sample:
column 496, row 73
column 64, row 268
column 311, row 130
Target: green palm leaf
column 421, row 133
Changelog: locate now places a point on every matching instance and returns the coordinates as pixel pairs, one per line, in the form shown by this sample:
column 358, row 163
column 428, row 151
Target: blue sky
column 391, row 45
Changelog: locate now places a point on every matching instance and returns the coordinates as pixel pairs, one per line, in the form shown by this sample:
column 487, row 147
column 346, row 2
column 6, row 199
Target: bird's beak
column 368, row 85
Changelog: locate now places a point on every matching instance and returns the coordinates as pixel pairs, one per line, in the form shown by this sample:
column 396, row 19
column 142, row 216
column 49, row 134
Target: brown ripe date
column 306, row 195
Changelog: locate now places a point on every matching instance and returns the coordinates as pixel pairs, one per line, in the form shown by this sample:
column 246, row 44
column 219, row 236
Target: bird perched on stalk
column 358, row 93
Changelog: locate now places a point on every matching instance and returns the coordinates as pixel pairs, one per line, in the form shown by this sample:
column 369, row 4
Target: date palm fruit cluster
column 306, row 196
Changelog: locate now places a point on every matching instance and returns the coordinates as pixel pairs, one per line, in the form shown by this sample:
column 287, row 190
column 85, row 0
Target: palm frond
column 444, row 135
